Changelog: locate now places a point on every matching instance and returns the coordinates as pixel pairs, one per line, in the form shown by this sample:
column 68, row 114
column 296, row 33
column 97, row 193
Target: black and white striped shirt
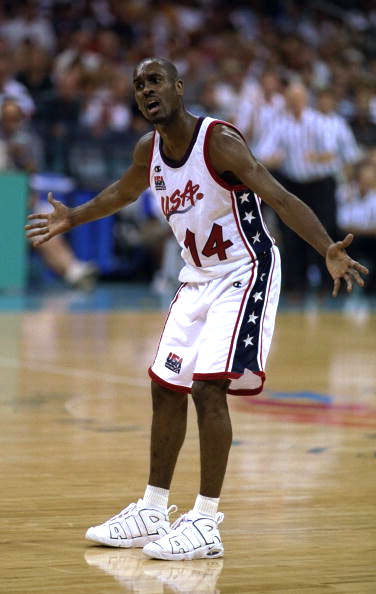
column 296, row 140
column 341, row 142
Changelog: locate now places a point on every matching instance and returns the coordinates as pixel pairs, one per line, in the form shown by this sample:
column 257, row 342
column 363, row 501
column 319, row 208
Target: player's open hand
column 48, row 224
column 341, row 266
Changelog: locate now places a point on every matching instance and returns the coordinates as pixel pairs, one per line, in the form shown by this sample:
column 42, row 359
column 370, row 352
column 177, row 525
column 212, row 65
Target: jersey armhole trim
column 209, row 166
column 151, row 154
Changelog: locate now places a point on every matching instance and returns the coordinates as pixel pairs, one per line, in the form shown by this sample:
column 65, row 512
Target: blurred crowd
column 66, row 98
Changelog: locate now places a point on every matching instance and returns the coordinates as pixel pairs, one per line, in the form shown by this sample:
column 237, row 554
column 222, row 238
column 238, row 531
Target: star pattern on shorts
column 249, row 217
column 248, row 341
column 244, row 197
column 252, row 318
column 257, row 296
column 256, row 238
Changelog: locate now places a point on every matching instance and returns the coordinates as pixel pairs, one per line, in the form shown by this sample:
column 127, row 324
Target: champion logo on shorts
column 159, row 182
column 173, row 362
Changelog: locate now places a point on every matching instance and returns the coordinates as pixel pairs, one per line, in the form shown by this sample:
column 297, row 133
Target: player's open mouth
column 153, row 106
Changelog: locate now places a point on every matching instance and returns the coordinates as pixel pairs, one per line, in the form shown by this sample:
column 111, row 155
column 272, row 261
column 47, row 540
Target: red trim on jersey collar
column 176, row 164
column 210, row 167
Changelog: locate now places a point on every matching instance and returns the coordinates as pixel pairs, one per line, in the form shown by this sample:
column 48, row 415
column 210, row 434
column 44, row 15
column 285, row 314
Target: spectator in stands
column 297, row 147
column 358, row 203
column 11, row 88
column 28, row 24
column 233, row 90
column 107, row 110
column 79, row 52
column 261, row 110
column 35, row 75
column 70, row 61
column 357, row 214
column 206, row 103
column 361, row 123
column 57, row 120
column 20, row 151
column 344, row 145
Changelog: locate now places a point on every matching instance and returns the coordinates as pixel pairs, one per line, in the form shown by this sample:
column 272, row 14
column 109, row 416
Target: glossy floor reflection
column 299, row 496
column 144, row 576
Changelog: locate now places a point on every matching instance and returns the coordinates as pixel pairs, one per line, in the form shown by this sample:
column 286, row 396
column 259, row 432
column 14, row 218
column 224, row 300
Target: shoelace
column 181, row 519
column 126, row 510
column 172, row 509
column 139, row 505
column 187, row 518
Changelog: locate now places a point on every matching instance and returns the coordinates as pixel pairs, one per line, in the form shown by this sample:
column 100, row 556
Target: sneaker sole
column 205, row 553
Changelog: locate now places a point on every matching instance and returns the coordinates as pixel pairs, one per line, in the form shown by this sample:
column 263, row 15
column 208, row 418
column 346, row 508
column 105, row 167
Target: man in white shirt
column 299, row 149
column 11, row 88
column 346, row 151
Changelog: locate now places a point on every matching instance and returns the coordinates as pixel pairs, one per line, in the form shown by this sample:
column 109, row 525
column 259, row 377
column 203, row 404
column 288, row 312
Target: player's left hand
column 341, row 266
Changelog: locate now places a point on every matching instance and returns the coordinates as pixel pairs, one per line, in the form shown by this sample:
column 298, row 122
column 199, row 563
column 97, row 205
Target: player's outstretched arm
column 229, row 152
column 110, row 200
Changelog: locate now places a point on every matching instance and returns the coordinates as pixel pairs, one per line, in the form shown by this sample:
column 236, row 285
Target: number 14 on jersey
column 214, row 245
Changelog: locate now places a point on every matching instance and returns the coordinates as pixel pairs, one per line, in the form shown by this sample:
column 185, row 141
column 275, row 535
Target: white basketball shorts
column 221, row 329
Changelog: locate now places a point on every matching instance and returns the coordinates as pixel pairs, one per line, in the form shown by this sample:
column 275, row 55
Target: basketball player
column 219, row 328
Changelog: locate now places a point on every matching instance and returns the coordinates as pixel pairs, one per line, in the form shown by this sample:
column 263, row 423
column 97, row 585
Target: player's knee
column 210, row 394
column 163, row 397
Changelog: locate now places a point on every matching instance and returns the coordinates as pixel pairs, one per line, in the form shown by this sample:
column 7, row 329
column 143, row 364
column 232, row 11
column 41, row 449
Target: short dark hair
column 168, row 66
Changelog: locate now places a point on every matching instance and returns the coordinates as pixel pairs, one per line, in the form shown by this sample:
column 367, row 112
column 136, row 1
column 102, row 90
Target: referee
column 341, row 138
column 300, row 148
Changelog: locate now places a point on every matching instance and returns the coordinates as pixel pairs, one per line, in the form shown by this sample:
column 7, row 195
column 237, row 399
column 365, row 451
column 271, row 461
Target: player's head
column 326, row 100
column 158, row 89
column 296, row 97
column 11, row 116
column 366, row 178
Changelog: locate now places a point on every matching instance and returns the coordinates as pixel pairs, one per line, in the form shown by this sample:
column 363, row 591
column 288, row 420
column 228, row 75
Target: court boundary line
column 42, row 366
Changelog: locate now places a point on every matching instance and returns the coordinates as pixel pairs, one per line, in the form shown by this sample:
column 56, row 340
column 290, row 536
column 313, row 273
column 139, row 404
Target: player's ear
column 179, row 86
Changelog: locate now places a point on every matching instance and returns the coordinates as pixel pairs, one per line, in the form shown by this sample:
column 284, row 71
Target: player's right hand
column 49, row 224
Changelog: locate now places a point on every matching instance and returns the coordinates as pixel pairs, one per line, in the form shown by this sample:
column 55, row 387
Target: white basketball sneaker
column 135, row 526
column 192, row 536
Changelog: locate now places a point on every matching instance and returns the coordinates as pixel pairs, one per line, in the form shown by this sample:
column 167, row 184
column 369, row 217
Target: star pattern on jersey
column 248, row 341
column 258, row 243
column 249, row 217
column 244, row 197
column 252, row 318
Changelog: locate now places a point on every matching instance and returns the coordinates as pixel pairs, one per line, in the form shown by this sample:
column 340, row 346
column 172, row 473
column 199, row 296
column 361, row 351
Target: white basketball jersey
column 218, row 226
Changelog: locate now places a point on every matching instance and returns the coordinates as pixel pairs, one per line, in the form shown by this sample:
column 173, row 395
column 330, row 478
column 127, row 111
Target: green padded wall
column 13, row 248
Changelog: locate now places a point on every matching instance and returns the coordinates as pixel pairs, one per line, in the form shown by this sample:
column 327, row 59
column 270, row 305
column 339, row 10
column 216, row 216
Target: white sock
column 156, row 497
column 206, row 505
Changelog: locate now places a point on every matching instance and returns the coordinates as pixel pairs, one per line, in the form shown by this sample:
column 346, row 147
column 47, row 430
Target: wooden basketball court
column 300, row 494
